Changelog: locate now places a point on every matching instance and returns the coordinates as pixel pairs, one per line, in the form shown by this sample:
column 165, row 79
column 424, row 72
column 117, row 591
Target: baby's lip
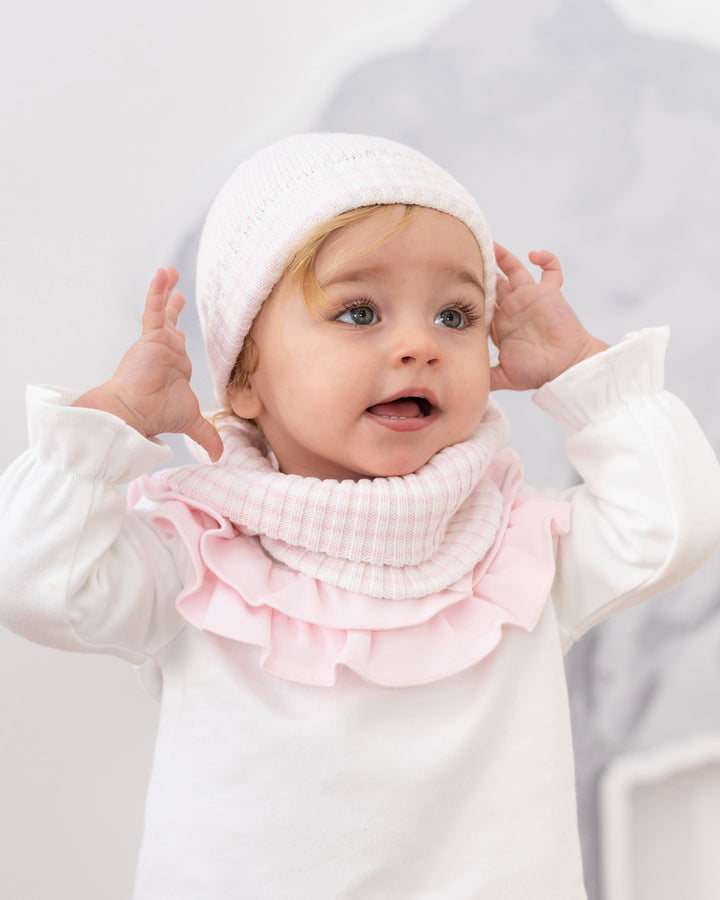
column 412, row 402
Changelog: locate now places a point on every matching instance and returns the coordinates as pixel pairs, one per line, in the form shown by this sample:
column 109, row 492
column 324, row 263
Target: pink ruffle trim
column 306, row 629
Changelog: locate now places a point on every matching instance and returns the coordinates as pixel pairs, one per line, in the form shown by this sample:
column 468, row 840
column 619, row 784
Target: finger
column 549, row 263
column 206, row 435
column 155, row 301
column 499, row 380
column 173, row 278
column 174, row 307
column 511, row 266
column 502, row 288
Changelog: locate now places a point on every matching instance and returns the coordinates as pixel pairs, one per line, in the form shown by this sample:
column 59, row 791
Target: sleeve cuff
column 87, row 443
column 585, row 392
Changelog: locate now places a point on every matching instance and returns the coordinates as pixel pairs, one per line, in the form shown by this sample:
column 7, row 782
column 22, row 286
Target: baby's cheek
column 476, row 380
column 476, row 395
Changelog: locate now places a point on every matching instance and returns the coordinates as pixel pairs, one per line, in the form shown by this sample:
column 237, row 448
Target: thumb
column 206, row 435
column 499, row 380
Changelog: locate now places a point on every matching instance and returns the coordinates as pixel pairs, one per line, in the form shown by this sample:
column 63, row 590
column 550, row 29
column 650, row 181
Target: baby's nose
column 418, row 344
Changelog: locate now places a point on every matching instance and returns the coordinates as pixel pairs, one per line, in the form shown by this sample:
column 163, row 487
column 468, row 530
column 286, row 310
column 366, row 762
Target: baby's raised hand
column 537, row 334
column 150, row 389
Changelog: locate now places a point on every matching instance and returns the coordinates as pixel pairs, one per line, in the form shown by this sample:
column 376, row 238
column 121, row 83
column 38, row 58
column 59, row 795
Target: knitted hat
column 274, row 198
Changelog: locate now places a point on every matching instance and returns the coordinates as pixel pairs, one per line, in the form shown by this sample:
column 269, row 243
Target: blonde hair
column 300, row 270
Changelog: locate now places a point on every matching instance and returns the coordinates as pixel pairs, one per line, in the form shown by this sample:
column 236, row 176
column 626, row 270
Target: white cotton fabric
column 461, row 789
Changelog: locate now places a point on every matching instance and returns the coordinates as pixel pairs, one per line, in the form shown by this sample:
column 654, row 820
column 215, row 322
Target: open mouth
column 403, row 408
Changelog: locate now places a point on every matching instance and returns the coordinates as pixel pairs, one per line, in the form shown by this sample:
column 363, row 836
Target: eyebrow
column 366, row 273
column 467, row 277
column 339, row 275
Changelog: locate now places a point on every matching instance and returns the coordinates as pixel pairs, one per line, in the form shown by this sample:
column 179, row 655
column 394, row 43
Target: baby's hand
column 537, row 334
column 150, row 389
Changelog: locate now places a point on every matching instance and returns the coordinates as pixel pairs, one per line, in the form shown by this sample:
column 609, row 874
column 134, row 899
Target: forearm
column 648, row 511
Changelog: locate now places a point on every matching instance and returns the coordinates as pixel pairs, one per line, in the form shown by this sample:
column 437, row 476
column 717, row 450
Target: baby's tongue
column 404, row 407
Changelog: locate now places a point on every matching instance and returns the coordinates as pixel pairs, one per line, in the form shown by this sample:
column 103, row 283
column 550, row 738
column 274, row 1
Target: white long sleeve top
column 277, row 777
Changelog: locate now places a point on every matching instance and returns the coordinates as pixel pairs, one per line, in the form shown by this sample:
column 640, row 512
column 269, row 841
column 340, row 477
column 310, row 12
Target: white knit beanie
column 274, row 198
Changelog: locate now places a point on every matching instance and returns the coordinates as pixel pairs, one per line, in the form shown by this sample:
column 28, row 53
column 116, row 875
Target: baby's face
column 394, row 371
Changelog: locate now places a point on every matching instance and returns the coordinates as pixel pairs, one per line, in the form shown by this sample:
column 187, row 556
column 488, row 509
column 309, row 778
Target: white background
column 118, row 123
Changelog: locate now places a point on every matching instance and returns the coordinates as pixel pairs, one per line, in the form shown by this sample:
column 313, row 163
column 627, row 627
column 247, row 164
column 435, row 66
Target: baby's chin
column 399, row 470
column 393, row 465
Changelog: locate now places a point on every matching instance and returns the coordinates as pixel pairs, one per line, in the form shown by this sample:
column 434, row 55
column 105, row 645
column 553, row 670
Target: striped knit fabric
column 276, row 196
column 400, row 537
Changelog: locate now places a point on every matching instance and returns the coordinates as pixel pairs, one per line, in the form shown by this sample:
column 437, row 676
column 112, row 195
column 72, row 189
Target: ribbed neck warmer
column 399, row 537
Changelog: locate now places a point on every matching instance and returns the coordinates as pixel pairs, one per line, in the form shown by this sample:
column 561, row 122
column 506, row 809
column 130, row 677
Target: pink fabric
column 398, row 537
column 306, row 629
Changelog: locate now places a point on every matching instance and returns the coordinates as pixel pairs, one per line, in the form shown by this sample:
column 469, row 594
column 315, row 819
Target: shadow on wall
column 603, row 145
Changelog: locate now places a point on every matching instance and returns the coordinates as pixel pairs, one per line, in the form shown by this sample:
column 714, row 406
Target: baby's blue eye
column 358, row 315
column 450, row 318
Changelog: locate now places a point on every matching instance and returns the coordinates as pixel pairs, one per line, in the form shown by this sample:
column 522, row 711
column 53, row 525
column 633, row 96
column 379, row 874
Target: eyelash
column 360, row 303
column 469, row 313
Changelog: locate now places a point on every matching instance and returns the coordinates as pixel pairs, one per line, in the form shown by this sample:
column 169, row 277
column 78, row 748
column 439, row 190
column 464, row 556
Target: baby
column 355, row 611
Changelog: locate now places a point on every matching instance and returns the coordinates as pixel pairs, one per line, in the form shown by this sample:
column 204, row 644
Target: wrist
column 106, row 399
column 592, row 348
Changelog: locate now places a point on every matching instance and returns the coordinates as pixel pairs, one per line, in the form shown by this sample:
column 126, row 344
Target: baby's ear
column 245, row 402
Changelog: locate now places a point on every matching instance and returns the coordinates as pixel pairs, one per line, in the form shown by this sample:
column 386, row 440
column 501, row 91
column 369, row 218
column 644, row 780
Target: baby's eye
column 358, row 315
column 451, row 318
